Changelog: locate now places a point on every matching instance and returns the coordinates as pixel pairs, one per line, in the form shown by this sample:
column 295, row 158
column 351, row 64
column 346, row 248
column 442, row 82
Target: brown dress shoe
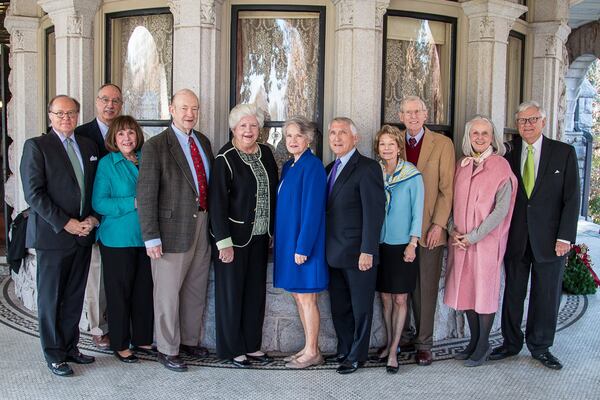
column 424, row 357
column 101, row 342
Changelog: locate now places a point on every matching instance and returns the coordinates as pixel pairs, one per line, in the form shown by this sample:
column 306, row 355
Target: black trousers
column 544, row 302
column 240, row 292
column 129, row 300
column 351, row 293
column 61, row 278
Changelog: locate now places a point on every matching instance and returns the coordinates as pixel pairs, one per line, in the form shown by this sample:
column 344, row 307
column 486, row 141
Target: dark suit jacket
column 553, row 209
column 355, row 212
column 166, row 193
column 91, row 130
column 232, row 202
column 52, row 192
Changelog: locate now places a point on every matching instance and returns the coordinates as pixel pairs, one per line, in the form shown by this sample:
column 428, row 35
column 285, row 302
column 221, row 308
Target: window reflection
column 141, row 63
column 278, row 63
column 418, row 61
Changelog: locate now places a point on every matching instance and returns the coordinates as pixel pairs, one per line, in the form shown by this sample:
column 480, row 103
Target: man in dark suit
column 108, row 107
column 172, row 203
column 543, row 226
column 355, row 212
column 57, row 171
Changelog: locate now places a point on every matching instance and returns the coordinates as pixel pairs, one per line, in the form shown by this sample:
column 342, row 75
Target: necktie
column 200, row 173
column 77, row 169
column 412, row 142
column 331, row 179
column 529, row 172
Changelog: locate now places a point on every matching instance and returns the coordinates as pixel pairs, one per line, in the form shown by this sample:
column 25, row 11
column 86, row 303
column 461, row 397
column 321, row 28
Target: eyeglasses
column 531, row 120
column 192, row 109
column 62, row 114
column 106, row 101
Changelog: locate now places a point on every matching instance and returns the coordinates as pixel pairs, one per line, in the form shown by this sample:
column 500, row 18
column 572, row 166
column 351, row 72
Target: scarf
column 477, row 158
column 404, row 170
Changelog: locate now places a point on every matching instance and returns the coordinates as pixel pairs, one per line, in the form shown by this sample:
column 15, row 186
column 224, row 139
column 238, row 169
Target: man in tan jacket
column 433, row 154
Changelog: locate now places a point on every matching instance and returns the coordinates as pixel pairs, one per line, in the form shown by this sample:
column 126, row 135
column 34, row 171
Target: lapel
column 426, row 149
column 515, row 163
column 344, row 175
column 179, row 157
column 60, row 149
column 545, row 157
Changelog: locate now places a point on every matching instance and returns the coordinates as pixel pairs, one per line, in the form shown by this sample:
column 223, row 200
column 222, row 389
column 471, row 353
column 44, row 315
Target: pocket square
column 557, row 172
column 94, row 158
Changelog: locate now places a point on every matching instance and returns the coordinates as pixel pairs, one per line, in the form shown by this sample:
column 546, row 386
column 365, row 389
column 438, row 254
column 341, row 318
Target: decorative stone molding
column 74, row 25
column 345, row 10
column 71, row 17
column 487, row 28
column 23, row 32
column 381, row 9
column 190, row 13
column 491, row 19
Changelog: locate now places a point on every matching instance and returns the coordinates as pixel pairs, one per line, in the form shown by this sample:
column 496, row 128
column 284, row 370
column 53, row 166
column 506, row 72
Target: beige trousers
column 93, row 318
column 180, row 281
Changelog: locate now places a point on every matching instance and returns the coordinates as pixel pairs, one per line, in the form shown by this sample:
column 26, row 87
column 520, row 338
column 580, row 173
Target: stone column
column 358, row 58
column 24, row 105
column 196, row 55
column 73, row 27
column 490, row 22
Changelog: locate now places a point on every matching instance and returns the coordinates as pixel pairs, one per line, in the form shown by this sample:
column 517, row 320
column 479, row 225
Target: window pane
column 278, row 63
column 142, row 62
column 418, row 63
column 150, row 131
column 514, row 78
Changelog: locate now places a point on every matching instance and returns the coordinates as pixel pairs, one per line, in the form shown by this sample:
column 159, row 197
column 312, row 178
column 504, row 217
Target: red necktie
column 200, row 173
column 412, row 142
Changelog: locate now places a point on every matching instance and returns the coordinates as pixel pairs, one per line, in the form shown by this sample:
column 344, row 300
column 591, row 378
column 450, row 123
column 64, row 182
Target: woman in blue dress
column 300, row 266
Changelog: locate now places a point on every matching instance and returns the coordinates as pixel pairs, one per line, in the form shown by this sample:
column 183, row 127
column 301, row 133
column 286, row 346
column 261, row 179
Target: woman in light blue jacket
column 126, row 267
column 398, row 265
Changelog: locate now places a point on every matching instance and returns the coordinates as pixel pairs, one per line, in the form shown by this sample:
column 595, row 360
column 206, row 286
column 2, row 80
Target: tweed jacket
column 436, row 164
column 167, row 196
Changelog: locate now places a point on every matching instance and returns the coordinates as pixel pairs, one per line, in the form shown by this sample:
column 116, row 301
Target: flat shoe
column 241, row 363
column 391, row 370
column 295, row 364
column 128, row 359
column 462, row 355
column 476, row 363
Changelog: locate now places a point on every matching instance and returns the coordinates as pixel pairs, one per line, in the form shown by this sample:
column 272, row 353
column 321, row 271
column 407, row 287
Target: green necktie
column 529, row 172
column 77, row 169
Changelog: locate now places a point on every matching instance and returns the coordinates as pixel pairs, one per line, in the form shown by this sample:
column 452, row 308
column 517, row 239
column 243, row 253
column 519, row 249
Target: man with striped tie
column 543, row 227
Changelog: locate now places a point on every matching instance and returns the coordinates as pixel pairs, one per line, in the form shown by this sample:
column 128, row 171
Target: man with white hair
column 543, row 227
column 433, row 155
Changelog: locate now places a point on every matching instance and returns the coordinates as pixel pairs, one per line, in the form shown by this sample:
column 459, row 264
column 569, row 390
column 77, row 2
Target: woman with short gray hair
column 242, row 186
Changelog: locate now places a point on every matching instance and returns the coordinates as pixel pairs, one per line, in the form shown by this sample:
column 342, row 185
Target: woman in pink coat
column 484, row 197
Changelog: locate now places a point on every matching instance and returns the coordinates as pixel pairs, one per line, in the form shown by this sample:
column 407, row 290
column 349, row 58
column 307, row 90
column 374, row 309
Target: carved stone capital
column 491, row 19
column 190, row 13
column 549, row 38
column 345, row 13
column 365, row 14
column 70, row 17
column 23, row 33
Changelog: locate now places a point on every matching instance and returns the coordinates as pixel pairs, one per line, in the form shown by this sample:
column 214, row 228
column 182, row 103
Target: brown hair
column 394, row 132
column 118, row 124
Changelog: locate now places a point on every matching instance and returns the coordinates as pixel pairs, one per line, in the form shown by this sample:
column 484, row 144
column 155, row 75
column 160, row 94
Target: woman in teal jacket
column 398, row 265
column 126, row 267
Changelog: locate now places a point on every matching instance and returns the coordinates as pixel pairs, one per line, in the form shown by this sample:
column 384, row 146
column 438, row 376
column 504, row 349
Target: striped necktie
column 77, row 169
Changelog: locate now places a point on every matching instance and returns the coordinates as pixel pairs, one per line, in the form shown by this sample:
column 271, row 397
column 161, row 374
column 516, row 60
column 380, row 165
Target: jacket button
column 194, row 215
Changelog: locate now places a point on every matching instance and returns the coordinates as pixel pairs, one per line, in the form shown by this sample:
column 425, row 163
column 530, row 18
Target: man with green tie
column 57, row 171
column 543, row 227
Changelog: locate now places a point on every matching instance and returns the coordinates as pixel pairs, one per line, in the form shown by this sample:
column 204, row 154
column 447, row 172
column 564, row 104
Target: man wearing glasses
column 108, row 107
column 543, row 226
column 57, row 171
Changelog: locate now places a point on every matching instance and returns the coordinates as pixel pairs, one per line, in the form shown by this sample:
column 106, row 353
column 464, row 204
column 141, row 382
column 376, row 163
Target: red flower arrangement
column 579, row 276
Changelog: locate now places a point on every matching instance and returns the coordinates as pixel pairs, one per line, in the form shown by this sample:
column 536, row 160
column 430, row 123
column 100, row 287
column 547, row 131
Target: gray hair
column 408, row 99
column 306, row 127
column 245, row 110
column 497, row 139
column 528, row 104
column 345, row 120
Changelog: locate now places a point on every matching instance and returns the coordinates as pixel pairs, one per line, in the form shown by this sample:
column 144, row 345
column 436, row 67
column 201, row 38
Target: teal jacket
column 404, row 217
column 114, row 199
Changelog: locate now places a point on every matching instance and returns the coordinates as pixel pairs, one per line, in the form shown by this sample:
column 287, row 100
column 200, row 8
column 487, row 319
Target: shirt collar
column 63, row 137
column 537, row 145
column 344, row 159
column 418, row 137
column 180, row 133
column 103, row 127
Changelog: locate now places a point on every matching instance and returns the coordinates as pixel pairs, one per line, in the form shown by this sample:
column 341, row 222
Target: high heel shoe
column 127, row 359
column 476, row 363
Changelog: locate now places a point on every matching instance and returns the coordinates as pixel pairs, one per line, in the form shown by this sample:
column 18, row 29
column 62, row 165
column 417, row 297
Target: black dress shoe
column 348, row 368
column 194, row 351
column 241, row 363
column 60, row 369
column 264, row 358
column 548, row 360
column 391, row 370
column 338, row 358
column 80, row 358
column 500, row 353
column 129, row 359
column 150, row 352
column 174, row 363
